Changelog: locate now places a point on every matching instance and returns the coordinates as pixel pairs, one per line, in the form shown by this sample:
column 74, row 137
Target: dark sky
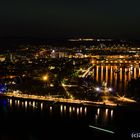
column 63, row 18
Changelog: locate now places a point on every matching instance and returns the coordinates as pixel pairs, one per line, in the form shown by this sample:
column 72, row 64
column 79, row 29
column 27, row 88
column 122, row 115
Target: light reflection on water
column 50, row 108
column 70, row 110
column 97, row 116
column 104, row 118
column 18, row 104
column 106, row 112
column 77, row 111
column 10, row 102
column 98, row 111
column 116, row 76
column 85, row 111
column 41, row 106
column 111, row 114
column 26, row 104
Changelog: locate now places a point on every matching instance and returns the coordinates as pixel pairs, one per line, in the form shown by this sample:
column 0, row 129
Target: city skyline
column 119, row 20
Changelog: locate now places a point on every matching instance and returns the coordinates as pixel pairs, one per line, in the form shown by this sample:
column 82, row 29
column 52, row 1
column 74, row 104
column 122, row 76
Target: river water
column 117, row 76
column 35, row 120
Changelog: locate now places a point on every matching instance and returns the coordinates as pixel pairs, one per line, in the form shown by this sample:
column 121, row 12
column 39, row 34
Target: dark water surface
column 30, row 120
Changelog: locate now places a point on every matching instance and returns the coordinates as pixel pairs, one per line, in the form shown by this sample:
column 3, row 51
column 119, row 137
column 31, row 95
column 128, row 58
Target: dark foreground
column 18, row 123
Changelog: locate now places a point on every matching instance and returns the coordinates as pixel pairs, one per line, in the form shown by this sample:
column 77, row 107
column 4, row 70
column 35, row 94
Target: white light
column 101, row 129
column 97, row 89
column 110, row 89
column 13, row 83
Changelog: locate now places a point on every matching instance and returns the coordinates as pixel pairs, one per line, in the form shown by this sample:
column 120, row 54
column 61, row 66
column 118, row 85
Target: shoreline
column 54, row 100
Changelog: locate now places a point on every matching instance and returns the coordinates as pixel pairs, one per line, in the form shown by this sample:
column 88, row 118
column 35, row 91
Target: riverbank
column 54, row 100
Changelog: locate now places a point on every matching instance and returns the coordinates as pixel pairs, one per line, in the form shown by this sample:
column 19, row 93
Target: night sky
column 118, row 19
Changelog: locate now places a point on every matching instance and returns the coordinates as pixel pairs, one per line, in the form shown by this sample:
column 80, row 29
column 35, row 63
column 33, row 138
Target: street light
column 45, row 79
column 97, row 89
column 110, row 89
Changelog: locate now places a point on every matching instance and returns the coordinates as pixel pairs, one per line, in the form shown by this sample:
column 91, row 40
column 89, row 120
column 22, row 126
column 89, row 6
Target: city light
column 100, row 67
column 45, row 78
column 77, row 81
column 110, row 89
column 124, row 99
column 3, row 88
column 97, row 89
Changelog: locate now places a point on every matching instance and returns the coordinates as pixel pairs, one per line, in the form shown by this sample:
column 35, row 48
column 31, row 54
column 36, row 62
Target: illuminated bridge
column 116, row 73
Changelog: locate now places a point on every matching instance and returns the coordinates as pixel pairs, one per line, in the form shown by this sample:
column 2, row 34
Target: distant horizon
column 69, row 19
column 67, row 38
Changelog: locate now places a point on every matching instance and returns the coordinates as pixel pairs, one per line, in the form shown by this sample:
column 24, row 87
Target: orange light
column 45, row 78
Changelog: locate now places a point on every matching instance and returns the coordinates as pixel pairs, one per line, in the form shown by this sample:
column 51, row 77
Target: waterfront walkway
column 56, row 99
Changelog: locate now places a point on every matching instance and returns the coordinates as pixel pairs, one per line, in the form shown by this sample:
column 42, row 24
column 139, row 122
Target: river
column 23, row 119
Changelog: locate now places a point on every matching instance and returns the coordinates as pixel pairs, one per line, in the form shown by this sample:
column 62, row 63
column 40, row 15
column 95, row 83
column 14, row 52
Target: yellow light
column 45, row 78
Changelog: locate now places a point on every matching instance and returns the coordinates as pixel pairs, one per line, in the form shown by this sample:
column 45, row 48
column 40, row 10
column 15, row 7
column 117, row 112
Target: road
column 56, row 99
